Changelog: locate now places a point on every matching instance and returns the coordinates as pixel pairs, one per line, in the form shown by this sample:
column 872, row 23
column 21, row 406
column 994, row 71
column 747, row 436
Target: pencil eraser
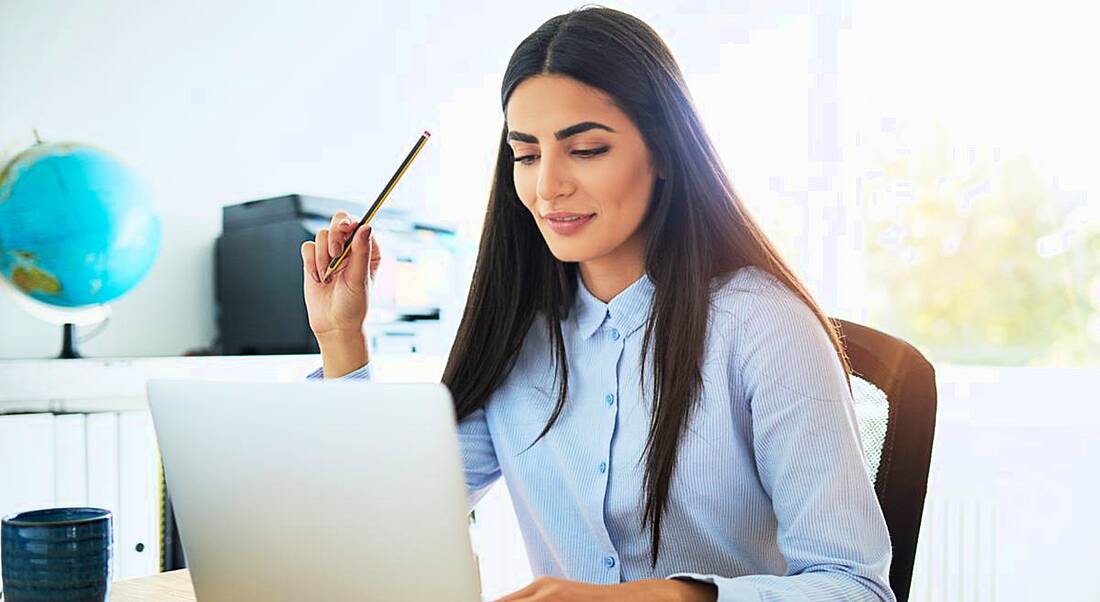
column 427, row 134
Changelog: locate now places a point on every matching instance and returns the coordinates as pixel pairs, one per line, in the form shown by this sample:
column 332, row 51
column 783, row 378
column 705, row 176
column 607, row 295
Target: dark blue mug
column 56, row 554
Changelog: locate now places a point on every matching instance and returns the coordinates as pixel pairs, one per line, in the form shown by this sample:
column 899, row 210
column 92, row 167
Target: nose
column 554, row 179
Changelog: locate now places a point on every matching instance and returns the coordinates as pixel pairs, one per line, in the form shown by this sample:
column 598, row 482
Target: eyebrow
column 562, row 134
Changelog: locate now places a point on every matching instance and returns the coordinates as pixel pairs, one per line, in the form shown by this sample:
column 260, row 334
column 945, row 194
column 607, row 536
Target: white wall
column 1011, row 507
column 218, row 103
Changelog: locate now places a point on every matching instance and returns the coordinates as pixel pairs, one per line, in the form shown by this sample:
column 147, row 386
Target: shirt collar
column 626, row 312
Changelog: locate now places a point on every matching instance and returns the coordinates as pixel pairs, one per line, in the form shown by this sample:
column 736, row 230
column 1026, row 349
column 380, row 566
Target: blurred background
column 926, row 167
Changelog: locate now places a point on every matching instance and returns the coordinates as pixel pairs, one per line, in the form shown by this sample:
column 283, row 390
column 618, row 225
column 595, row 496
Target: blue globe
column 77, row 227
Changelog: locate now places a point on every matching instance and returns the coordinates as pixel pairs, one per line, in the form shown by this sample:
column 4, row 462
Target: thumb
column 360, row 257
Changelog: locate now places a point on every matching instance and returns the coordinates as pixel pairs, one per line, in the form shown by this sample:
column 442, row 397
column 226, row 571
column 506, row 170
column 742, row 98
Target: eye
column 590, row 152
column 586, row 153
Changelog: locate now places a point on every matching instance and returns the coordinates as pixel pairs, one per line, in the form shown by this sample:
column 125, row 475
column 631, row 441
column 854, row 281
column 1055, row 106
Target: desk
column 173, row 586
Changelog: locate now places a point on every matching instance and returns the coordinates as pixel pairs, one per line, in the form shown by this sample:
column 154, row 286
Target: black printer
column 258, row 272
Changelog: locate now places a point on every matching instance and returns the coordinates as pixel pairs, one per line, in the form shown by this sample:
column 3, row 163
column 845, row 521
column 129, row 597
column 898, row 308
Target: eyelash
column 585, row 154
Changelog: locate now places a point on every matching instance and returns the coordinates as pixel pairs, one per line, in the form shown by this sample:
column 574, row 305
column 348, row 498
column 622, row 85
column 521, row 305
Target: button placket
column 611, row 354
column 613, row 346
column 609, row 398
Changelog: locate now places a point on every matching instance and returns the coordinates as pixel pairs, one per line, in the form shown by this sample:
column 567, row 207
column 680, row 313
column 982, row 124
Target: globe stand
column 68, row 343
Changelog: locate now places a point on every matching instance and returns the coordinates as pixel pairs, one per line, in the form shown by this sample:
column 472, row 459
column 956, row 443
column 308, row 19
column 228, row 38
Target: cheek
column 624, row 190
column 525, row 187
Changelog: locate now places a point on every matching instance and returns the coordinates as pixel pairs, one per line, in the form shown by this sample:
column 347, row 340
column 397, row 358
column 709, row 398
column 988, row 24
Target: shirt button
column 614, row 334
column 609, row 561
column 603, row 467
column 610, row 399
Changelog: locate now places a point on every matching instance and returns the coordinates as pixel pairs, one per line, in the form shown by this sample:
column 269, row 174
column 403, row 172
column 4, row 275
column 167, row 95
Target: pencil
column 336, row 261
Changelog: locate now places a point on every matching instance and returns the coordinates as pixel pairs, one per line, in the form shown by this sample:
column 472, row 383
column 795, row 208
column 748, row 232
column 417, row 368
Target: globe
column 77, row 230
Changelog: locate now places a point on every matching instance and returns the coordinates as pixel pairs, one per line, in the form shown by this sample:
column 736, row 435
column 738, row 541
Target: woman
column 727, row 464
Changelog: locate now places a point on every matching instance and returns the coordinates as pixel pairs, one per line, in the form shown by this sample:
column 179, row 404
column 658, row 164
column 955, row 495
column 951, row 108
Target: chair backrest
column 900, row 374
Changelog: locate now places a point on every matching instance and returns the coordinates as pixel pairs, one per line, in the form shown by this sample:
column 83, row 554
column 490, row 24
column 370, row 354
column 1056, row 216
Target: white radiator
column 956, row 552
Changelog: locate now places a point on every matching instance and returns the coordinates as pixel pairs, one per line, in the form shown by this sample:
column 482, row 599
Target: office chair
column 894, row 389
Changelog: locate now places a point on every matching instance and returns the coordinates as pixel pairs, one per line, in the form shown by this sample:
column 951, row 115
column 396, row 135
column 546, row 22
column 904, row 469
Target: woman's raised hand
column 338, row 307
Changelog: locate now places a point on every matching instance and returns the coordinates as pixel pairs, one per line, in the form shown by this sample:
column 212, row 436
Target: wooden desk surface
column 173, row 586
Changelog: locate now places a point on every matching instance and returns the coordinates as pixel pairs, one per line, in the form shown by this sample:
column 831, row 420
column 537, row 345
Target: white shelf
column 118, row 384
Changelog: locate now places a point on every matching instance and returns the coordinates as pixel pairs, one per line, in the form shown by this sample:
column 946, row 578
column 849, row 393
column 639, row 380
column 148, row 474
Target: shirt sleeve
column 479, row 458
column 830, row 527
column 363, row 373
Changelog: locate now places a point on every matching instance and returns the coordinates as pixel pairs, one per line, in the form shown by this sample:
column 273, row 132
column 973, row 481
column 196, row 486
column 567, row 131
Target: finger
column 336, row 229
column 309, row 264
column 338, row 236
column 359, row 260
column 375, row 256
column 344, row 231
column 321, row 256
column 338, row 217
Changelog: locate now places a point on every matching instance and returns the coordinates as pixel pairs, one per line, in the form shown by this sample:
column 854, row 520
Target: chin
column 570, row 252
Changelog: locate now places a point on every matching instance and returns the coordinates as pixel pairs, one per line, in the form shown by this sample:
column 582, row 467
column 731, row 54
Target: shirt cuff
column 729, row 590
column 363, row 373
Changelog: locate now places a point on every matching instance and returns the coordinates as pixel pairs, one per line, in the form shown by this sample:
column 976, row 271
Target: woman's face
column 582, row 169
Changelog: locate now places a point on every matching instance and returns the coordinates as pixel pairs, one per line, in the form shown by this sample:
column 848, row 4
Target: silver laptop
column 316, row 490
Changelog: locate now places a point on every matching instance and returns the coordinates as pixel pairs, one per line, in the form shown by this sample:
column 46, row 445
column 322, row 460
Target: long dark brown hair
column 697, row 230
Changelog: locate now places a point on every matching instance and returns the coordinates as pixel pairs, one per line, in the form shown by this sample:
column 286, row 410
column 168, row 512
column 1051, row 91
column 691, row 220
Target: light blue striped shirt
column 770, row 499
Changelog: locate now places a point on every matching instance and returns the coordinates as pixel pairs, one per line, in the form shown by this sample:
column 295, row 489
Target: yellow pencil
column 335, row 263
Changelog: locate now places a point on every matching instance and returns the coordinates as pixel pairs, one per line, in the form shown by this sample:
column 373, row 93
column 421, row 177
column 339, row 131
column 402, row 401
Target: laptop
column 316, row 490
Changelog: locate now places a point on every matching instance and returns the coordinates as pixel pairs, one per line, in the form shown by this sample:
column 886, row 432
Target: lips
column 562, row 216
column 565, row 223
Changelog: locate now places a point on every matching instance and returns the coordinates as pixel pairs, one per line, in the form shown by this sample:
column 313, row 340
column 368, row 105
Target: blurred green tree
column 977, row 259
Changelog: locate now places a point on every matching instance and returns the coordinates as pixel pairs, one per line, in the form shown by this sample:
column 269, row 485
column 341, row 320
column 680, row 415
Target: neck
column 609, row 275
